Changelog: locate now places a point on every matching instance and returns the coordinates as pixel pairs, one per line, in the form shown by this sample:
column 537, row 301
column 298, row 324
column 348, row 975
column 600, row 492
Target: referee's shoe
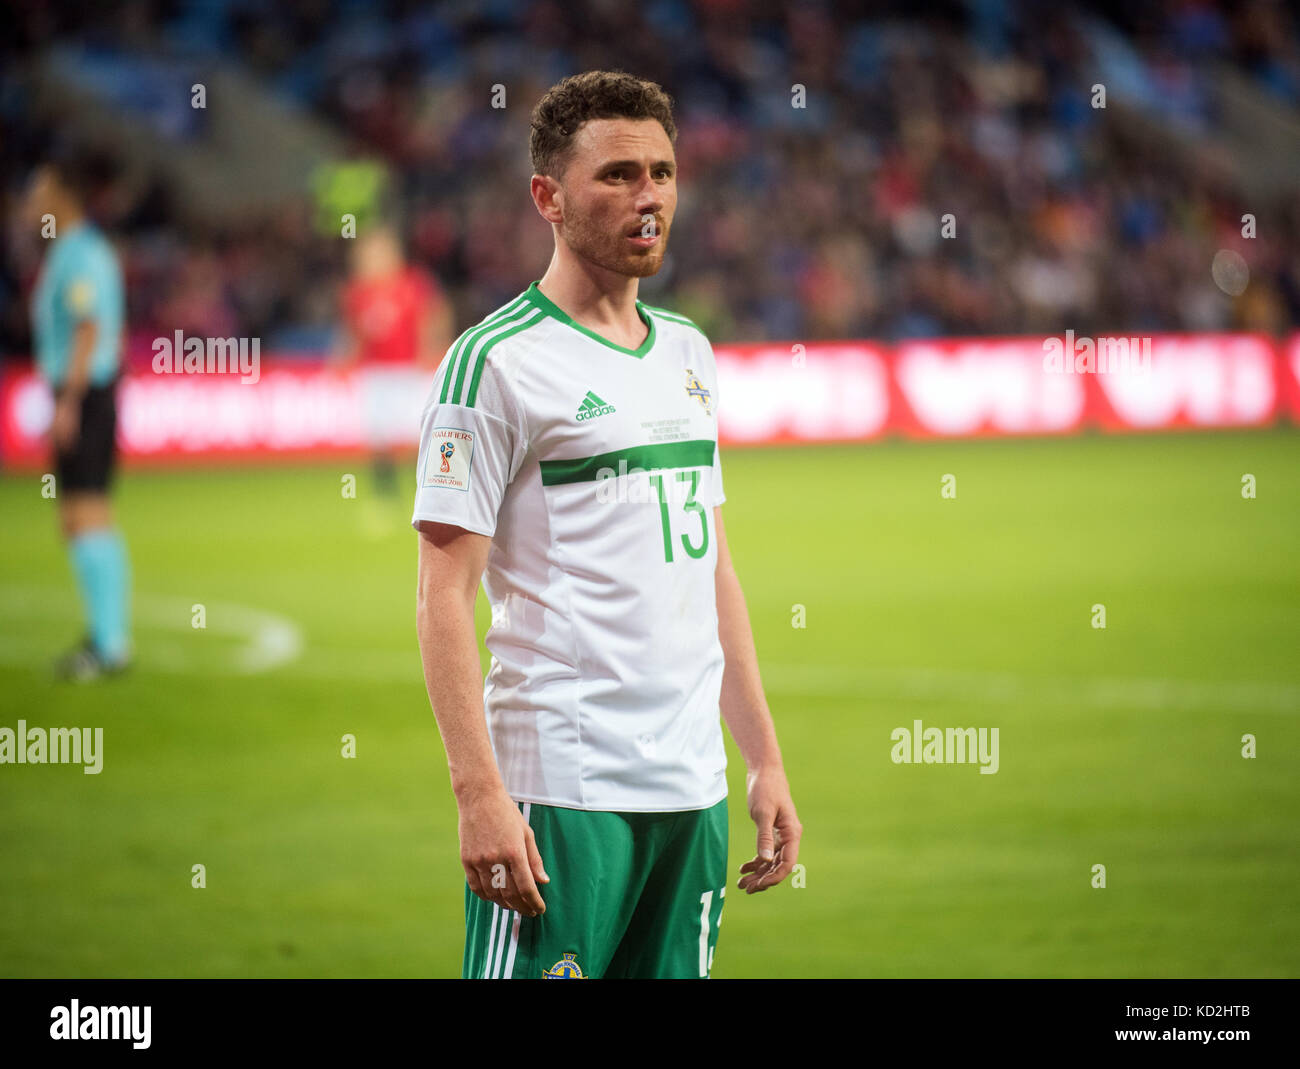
column 84, row 664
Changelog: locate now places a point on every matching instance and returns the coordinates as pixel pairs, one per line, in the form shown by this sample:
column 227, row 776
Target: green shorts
column 632, row 895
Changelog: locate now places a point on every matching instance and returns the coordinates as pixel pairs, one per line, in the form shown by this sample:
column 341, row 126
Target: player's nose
column 649, row 197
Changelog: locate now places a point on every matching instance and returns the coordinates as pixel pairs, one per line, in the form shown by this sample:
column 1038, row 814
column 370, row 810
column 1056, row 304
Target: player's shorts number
column 691, row 505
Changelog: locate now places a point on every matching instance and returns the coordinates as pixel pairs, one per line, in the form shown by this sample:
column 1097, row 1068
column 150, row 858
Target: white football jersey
column 594, row 469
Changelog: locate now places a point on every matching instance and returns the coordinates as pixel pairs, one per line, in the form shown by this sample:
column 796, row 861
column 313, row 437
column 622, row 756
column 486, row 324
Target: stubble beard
column 607, row 250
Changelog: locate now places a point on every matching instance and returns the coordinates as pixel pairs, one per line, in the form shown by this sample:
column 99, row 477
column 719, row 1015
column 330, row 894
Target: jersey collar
column 538, row 298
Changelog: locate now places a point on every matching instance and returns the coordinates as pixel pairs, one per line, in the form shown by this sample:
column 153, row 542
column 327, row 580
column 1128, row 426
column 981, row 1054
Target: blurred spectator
column 795, row 222
column 394, row 315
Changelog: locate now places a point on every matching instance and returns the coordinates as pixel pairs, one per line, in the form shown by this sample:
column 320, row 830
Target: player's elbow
column 725, row 577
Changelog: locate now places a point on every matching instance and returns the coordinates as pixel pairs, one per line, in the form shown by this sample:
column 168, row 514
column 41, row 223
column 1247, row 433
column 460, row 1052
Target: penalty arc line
column 269, row 640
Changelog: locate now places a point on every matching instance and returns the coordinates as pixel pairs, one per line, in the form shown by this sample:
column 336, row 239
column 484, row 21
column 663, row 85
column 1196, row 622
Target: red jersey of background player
column 386, row 315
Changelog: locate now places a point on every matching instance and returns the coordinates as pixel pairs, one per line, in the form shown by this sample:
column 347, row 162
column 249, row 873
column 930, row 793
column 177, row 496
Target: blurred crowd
column 947, row 173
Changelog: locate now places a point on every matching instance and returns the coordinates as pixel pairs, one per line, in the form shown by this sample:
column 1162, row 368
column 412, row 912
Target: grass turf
column 1119, row 747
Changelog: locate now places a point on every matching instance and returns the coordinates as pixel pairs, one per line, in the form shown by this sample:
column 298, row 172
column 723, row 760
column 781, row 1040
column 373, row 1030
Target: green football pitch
column 1119, row 746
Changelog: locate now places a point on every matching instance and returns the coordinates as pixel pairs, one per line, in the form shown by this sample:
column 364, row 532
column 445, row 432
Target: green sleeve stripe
column 536, row 315
column 663, row 313
column 458, row 348
column 696, row 453
column 466, row 345
column 467, row 351
column 672, row 317
column 450, row 363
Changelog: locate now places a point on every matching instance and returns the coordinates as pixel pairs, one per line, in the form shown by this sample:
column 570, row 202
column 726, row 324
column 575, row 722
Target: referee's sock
column 104, row 576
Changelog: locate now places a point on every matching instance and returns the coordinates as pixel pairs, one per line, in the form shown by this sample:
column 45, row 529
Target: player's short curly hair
column 591, row 95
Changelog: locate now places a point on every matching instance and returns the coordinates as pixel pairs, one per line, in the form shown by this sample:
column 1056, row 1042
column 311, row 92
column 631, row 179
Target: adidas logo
column 591, row 407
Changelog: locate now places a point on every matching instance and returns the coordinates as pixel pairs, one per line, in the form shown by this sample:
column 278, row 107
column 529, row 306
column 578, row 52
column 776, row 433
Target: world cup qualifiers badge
column 695, row 388
column 447, row 449
column 567, row 969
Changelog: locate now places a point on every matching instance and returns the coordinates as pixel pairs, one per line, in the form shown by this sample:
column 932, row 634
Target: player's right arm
column 497, row 847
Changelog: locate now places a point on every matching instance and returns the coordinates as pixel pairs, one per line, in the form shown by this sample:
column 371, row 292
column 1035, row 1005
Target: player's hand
column 66, row 425
column 499, row 853
column 779, row 831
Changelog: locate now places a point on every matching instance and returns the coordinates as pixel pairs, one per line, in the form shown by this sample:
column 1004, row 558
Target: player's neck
column 71, row 219
column 599, row 300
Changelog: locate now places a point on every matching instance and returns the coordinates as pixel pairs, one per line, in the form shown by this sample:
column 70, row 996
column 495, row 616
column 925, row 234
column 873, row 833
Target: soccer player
column 394, row 316
column 77, row 317
column 569, row 458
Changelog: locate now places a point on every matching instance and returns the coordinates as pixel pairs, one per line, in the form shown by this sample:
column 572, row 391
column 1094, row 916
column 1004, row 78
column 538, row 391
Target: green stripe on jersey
column 672, row 317
column 470, row 349
column 458, row 348
column 529, row 320
column 696, row 453
column 555, row 311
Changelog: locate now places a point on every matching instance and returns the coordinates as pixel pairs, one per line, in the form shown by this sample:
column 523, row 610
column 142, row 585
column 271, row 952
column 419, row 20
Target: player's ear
column 548, row 197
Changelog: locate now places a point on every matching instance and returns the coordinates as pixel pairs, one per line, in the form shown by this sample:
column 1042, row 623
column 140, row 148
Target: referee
column 77, row 317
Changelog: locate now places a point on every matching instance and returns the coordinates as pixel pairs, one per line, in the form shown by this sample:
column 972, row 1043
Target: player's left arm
column 745, row 710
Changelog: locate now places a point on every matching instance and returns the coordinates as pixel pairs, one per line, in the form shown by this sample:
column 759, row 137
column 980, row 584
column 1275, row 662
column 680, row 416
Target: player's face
column 621, row 172
column 376, row 255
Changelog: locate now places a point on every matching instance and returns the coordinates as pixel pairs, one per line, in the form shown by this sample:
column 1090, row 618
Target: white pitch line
column 269, row 640
column 907, row 684
column 273, row 641
column 1003, row 688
